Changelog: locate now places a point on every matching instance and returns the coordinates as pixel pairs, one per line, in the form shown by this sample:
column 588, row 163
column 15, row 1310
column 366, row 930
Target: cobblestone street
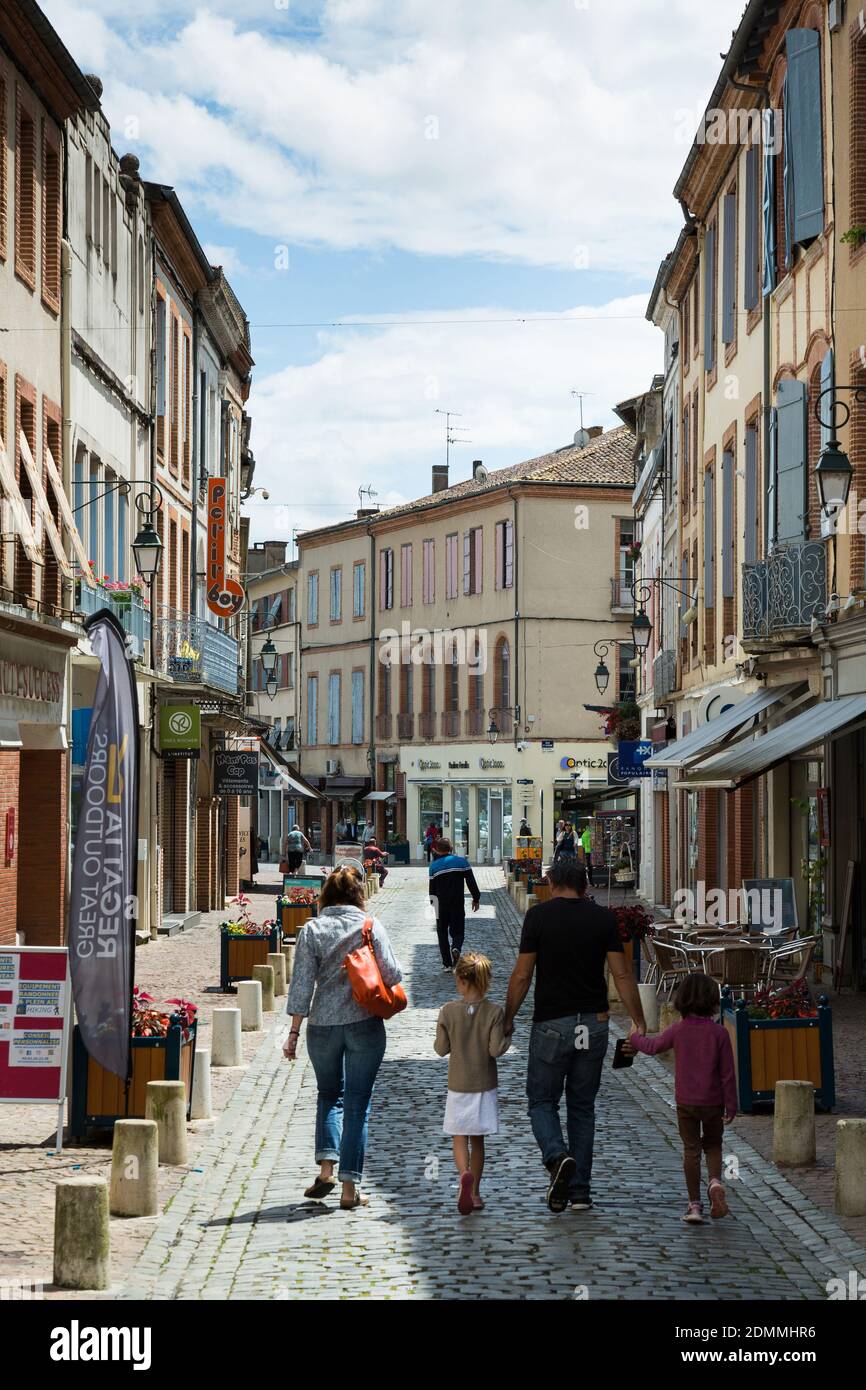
column 240, row 1228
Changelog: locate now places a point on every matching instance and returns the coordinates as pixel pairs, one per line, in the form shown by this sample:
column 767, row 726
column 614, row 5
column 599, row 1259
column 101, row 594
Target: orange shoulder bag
column 368, row 988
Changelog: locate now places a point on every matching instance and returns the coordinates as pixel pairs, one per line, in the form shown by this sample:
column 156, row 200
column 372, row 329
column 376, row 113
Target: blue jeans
column 560, row 1056
column 346, row 1058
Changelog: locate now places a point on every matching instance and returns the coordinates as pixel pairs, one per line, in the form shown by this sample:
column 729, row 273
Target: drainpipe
column 516, row 621
column 371, row 754
column 196, row 470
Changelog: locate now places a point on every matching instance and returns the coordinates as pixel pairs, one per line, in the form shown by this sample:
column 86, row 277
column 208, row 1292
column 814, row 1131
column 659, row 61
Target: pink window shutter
column 479, row 556
column 499, row 556
column 383, row 579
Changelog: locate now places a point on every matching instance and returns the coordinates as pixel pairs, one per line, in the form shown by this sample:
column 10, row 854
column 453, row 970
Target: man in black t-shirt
column 565, row 943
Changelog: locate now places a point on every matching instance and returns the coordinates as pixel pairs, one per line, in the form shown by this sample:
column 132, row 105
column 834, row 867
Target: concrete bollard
column 201, row 1106
column 531, row 900
column 81, row 1239
column 165, row 1102
column 376, row 882
column 794, row 1124
column 250, row 1000
column 134, row 1168
column 226, row 1044
column 520, row 897
column 277, row 961
column 851, row 1167
column 668, row 1015
column 650, row 1004
column 289, row 957
column 265, row 975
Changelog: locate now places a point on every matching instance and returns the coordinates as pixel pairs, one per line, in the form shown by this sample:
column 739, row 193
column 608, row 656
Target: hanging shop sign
column 180, row 731
column 632, row 756
column 235, row 773
column 225, row 597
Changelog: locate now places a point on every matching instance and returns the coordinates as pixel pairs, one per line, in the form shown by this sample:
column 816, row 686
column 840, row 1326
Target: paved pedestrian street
column 240, row 1228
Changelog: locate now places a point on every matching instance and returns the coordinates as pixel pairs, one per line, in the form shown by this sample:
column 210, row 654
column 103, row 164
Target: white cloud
column 376, row 391
column 494, row 128
column 226, row 256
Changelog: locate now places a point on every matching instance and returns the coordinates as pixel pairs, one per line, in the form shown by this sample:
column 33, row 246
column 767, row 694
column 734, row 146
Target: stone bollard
column 289, row 957
column 650, row 1004
column 81, row 1239
column 520, row 897
column 201, row 1107
column 376, row 882
column 278, row 963
column 794, row 1124
column 368, row 887
column 851, row 1167
column 226, row 1045
column 531, row 900
column 165, row 1102
column 134, row 1168
column 668, row 1015
column 265, row 975
column 250, row 1000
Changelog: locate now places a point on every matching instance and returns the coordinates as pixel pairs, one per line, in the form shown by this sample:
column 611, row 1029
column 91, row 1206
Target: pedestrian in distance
column 345, row 1042
column 705, row 1088
column 525, row 828
column 586, row 845
column 431, row 835
column 449, row 874
column 374, row 861
column 368, row 833
column 469, row 1033
column 565, row 847
column 297, row 845
column 565, row 944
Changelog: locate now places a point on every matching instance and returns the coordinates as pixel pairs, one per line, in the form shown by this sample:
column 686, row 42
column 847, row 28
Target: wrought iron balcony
column 664, row 676
column 781, row 593
column 621, row 596
column 193, row 652
column 129, row 610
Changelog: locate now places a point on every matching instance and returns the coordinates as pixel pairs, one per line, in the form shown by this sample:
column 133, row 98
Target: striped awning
column 751, row 757
column 710, row 737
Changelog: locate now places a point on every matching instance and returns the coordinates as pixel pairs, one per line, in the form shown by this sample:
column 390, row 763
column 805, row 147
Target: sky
column 458, row 206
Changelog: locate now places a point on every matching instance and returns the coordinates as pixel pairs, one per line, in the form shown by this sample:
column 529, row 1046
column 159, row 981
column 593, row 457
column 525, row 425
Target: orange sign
column 225, row 596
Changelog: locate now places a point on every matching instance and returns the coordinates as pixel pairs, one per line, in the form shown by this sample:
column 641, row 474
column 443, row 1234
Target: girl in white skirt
column 469, row 1032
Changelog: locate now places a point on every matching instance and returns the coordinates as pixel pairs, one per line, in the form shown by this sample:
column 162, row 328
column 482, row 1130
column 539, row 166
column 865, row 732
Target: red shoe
column 477, row 1203
column 465, row 1201
column 718, row 1201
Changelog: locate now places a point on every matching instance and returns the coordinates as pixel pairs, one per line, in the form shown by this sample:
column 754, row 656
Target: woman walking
column 565, row 844
column 345, row 1043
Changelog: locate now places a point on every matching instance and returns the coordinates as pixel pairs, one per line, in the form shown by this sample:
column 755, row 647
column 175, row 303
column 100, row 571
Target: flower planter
column 99, row 1097
column 399, row 854
column 541, row 890
column 768, row 1050
column 238, row 955
column 292, row 917
column 308, row 881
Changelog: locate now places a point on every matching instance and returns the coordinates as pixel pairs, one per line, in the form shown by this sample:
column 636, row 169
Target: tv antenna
column 451, row 434
column 369, row 492
column 581, row 438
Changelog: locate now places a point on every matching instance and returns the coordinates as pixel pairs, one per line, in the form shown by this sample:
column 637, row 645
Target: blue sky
column 421, row 167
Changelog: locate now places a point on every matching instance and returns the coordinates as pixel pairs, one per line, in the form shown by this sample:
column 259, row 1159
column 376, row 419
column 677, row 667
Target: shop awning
column 378, row 796
column 345, row 787
column 10, row 734
column 290, row 780
column 752, row 757
column 710, row 737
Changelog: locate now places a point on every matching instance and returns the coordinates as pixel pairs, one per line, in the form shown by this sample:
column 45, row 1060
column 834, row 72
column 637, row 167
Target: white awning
column 378, row 796
column 289, row 783
column 10, row 736
column 709, row 737
column 753, row 756
column 43, row 736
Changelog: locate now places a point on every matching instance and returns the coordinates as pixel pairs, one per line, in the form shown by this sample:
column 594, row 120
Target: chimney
column 476, row 464
column 95, row 82
column 595, row 430
column 440, row 477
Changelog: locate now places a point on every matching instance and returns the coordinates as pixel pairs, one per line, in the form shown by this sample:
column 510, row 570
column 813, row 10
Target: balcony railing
column 450, row 723
column 664, row 676
column 781, row 593
column 193, row 652
column 384, row 727
column 427, row 724
column 131, row 614
column 405, row 726
column 621, row 598
column 474, row 722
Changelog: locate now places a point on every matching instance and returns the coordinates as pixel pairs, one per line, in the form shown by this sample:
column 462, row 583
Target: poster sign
column 180, row 731
column 225, row 597
column 35, row 1020
column 235, row 773
column 632, row 756
column 348, row 855
column 102, row 901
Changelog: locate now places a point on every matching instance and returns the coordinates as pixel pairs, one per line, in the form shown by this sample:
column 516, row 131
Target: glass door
column 496, row 827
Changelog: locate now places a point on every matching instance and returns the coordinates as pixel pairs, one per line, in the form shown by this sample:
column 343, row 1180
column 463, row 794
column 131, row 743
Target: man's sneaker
column 718, row 1200
column 455, row 955
column 561, row 1171
column 695, row 1214
column 449, row 969
column 582, row 1202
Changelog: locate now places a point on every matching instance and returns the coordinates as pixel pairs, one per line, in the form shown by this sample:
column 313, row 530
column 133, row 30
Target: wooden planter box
column 541, row 890
column 99, row 1097
column 292, row 918
column 238, row 955
column 398, row 854
column 767, row 1050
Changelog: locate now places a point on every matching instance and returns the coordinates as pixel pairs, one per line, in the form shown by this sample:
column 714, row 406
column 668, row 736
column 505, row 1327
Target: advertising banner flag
column 225, row 596
column 102, row 908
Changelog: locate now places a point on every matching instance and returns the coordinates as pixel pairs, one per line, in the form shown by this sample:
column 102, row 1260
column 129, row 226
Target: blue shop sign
column 632, row 756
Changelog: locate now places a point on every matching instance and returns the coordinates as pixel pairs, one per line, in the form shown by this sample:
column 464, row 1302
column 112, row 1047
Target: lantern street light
column 641, row 630
column 493, row 731
column 268, row 656
column 833, row 471
column 602, row 674
column 271, row 686
column 147, row 549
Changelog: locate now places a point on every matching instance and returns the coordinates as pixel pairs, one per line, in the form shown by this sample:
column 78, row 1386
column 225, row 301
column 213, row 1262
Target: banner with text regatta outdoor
column 102, row 909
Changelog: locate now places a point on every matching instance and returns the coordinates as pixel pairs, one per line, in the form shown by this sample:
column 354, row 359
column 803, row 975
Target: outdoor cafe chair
column 673, row 964
column 790, row 963
column 652, row 965
column 738, row 965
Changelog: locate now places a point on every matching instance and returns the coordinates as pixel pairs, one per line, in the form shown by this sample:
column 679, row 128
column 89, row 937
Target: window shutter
column 709, row 557
column 357, row 706
column 312, row 710
column 478, row 535
column 772, row 469
column 334, row 708
column 709, row 279
column 727, row 525
column 750, row 553
column 804, row 128
column 499, row 556
column 467, row 562
column 729, row 271
column 383, row 579
column 509, row 554
column 826, row 407
column 769, row 206
column 791, row 463
column 750, row 287
column 685, row 599
column 787, row 173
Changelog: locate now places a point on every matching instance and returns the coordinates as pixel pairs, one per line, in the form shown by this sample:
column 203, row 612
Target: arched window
column 502, row 674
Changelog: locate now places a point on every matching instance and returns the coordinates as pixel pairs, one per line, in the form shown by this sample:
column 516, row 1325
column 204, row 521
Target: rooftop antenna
column 369, row 492
column 451, row 434
column 581, row 438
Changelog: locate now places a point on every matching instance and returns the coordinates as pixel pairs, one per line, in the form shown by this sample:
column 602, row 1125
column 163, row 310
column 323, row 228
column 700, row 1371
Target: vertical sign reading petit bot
column 225, row 597
column 102, row 905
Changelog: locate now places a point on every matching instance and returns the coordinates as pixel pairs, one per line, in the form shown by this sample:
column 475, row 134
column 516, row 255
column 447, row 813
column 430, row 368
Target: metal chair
column 790, row 963
column 673, row 964
column 741, row 967
column 652, row 965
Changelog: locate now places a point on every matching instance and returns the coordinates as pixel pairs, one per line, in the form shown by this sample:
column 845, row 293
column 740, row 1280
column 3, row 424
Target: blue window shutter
column 709, row 557
column 787, row 175
column 357, row 706
column 334, row 708
column 709, row 298
column 108, row 529
column 826, row 409
column 769, row 281
column 122, row 508
column 791, row 463
column 312, row 710
column 727, row 525
column 772, row 471
column 729, row 269
column 806, row 157
column 750, row 287
column 750, row 553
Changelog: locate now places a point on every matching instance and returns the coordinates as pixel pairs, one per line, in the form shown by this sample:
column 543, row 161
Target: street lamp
column 268, row 656
column 493, row 731
column 833, row 471
column 641, row 592
column 147, row 549
column 602, row 674
column 641, row 630
column 271, row 686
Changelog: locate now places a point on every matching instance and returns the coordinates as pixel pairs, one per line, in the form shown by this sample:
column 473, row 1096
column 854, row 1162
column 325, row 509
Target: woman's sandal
column 322, row 1187
column 359, row 1200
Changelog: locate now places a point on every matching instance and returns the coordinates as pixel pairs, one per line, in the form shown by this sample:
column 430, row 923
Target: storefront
column 34, row 763
column 478, row 794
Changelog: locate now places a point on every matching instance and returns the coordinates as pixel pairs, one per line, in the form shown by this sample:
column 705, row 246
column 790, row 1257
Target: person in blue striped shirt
column 450, row 875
